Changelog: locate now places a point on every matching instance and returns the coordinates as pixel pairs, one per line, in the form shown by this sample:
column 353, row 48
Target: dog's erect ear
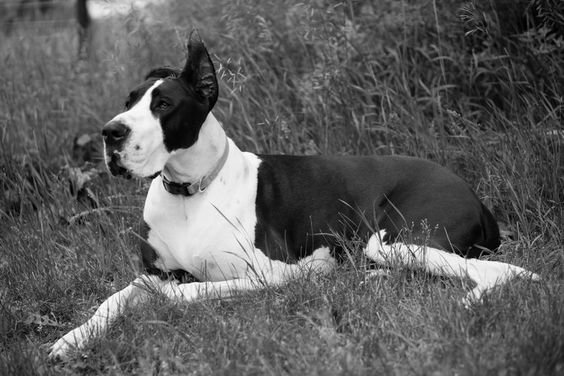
column 163, row 72
column 199, row 72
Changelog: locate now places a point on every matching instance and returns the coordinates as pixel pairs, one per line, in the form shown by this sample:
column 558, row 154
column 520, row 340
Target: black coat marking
column 302, row 200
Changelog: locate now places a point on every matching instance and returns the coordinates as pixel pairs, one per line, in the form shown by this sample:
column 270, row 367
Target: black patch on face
column 153, row 76
column 137, row 93
column 182, row 102
column 180, row 111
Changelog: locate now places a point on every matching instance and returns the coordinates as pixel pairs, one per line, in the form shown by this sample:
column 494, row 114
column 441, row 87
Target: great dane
column 237, row 220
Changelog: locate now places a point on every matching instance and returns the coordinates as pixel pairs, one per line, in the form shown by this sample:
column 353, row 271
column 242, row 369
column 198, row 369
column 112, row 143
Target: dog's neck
column 199, row 160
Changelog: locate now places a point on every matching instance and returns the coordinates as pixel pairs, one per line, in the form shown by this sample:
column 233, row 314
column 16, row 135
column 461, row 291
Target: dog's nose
column 115, row 132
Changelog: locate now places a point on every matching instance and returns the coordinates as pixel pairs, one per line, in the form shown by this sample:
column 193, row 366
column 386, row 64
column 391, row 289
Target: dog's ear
column 163, row 72
column 199, row 72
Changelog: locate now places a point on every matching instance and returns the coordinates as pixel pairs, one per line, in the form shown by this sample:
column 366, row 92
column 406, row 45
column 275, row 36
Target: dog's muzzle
column 116, row 167
column 115, row 133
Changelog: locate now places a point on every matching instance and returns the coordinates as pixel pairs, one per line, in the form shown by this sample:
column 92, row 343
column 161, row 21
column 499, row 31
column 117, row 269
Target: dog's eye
column 162, row 105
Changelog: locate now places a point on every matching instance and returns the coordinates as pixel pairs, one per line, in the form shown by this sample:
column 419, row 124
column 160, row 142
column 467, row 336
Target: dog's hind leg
column 109, row 310
column 485, row 274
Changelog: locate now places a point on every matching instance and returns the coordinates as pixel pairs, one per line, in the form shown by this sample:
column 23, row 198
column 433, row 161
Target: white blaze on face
column 144, row 152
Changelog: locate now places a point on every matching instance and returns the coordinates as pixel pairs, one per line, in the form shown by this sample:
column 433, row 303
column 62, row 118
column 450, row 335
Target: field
column 455, row 84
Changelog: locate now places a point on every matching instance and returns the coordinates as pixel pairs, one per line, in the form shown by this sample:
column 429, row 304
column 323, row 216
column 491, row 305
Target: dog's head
column 162, row 115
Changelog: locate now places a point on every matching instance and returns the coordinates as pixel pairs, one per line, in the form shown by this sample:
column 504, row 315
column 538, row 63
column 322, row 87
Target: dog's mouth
column 116, row 166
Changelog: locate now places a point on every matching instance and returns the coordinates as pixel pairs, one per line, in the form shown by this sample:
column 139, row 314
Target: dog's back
column 302, row 201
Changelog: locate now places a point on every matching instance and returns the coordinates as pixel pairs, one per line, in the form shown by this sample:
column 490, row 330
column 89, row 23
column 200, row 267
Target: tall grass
column 357, row 77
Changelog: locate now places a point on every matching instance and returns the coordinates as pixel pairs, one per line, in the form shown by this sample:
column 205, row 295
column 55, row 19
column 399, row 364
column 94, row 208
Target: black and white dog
column 236, row 220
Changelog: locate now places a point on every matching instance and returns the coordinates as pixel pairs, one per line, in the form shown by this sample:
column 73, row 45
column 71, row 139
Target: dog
column 236, row 221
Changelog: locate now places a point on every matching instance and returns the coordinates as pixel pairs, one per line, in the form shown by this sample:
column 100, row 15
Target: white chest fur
column 210, row 234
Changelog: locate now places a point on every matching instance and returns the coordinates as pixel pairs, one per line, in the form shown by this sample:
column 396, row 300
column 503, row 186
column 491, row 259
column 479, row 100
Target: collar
column 189, row 189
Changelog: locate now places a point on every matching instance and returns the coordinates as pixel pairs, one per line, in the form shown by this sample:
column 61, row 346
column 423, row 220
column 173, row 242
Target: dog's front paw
column 474, row 297
column 64, row 347
column 60, row 351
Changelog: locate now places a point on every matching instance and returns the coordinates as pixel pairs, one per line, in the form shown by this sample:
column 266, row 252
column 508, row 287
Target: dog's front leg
column 189, row 292
column 272, row 273
column 109, row 310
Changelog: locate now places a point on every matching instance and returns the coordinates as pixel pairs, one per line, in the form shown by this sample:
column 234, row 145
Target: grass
column 306, row 78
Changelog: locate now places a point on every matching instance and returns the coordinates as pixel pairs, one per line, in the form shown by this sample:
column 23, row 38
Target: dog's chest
column 209, row 235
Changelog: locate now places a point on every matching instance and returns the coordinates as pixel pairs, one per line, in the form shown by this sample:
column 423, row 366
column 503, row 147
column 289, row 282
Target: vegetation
column 476, row 87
